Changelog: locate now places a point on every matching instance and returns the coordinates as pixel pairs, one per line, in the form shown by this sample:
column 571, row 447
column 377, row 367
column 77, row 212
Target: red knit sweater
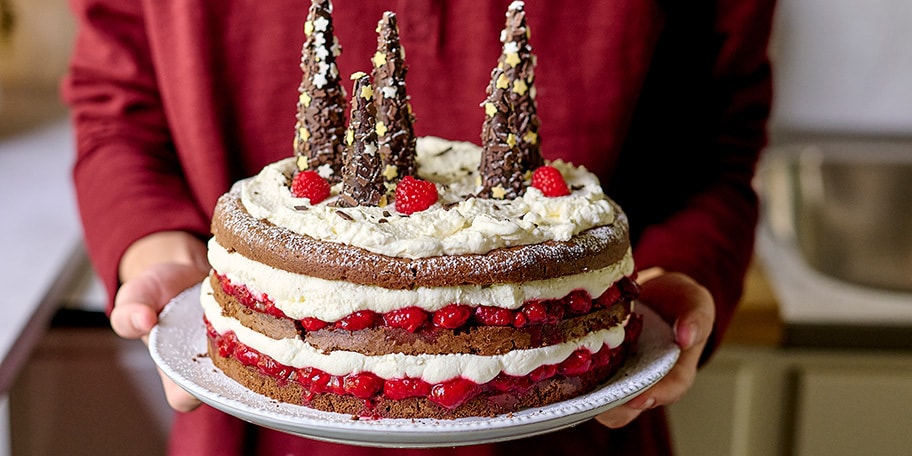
column 666, row 101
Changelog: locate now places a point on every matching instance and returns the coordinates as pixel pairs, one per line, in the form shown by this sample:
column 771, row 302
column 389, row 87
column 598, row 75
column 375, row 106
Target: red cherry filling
column 452, row 316
column 450, row 394
column 261, row 303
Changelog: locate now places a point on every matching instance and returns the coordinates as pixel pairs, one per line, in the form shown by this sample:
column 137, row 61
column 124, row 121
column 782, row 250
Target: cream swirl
column 457, row 224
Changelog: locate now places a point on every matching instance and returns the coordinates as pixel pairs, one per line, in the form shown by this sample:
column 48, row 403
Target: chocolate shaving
column 345, row 216
column 510, row 132
column 362, row 181
column 320, row 126
column 395, row 136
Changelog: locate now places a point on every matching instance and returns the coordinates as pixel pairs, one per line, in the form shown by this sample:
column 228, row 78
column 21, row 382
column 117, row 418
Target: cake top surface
column 458, row 223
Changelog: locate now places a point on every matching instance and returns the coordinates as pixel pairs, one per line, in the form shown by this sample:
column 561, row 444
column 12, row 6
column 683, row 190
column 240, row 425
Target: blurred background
column 818, row 360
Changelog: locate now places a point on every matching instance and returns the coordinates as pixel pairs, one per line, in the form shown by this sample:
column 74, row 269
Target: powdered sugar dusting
column 458, row 224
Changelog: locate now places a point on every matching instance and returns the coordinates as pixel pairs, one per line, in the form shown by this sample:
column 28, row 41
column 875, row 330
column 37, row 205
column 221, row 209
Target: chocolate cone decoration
column 320, row 127
column 395, row 136
column 362, row 181
column 510, row 132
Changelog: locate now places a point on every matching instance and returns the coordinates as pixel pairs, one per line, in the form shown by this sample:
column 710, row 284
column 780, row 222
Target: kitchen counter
column 757, row 321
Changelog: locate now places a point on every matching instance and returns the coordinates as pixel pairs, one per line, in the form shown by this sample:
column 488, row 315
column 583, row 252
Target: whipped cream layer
column 300, row 296
column 457, row 224
column 431, row 368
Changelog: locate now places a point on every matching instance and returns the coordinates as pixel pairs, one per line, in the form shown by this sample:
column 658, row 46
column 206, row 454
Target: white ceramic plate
column 178, row 346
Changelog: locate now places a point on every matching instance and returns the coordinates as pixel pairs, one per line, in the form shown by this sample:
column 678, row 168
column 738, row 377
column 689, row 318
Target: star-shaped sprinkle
column 379, row 59
column 320, row 24
column 498, row 192
column 390, row 172
column 503, row 81
column 520, row 87
column 512, row 59
column 381, row 128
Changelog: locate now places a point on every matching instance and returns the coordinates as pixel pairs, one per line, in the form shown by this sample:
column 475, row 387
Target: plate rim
column 657, row 342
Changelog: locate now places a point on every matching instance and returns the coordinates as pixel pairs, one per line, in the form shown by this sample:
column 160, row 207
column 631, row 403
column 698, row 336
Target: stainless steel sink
column 846, row 206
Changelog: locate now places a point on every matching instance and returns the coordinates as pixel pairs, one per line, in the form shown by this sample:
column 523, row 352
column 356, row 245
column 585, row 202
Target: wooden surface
column 757, row 320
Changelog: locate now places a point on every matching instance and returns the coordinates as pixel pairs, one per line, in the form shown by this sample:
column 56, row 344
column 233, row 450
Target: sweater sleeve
column 712, row 92
column 128, row 179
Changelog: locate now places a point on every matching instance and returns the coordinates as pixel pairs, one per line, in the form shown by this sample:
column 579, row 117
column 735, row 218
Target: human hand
column 152, row 275
column 690, row 309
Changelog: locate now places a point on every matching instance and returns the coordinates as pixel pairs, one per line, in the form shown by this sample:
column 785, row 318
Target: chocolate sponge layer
column 261, row 241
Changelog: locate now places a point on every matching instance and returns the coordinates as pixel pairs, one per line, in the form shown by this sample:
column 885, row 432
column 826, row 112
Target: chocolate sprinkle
column 395, row 136
column 320, row 126
column 510, row 131
column 362, row 181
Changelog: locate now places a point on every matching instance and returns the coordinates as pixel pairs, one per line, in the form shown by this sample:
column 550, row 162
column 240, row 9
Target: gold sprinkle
column 305, row 134
column 358, row 75
column 512, row 59
column 381, row 129
column 301, row 162
column 490, row 109
column 530, row 137
column 367, row 92
column 349, row 136
column 502, row 81
column 498, row 192
column 379, row 59
column 308, row 28
column 383, row 201
column 390, row 172
column 304, row 99
column 511, row 140
column 520, row 87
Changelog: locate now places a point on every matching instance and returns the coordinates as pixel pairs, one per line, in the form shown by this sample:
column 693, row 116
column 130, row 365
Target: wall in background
column 843, row 66
column 34, row 55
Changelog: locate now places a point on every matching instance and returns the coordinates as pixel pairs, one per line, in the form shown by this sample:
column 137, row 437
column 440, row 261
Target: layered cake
column 377, row 274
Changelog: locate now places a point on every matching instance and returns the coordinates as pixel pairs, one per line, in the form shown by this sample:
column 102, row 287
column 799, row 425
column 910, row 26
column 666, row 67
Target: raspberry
column 413, row 195
column 408, row 318
column 452, row 316
column 550, row 181
column 308, row 184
